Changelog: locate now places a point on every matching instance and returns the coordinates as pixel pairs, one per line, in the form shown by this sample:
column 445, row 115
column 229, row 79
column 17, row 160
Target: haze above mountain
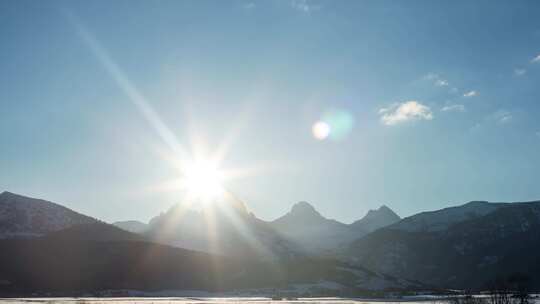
column 225, row 228
column 303, row 225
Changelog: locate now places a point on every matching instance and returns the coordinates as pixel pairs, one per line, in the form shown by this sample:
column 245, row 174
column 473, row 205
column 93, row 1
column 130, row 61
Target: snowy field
column 200, row 300
column 215, row 300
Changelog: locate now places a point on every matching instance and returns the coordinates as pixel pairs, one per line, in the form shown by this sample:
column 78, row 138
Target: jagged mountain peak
column 383, row 210
column 306, row 226
column 304, row 208
column 302, row 213
column 225, row 227
column 375, row 219
column 466, row 246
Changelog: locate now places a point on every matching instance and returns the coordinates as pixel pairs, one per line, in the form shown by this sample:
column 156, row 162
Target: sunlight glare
column 203, row 180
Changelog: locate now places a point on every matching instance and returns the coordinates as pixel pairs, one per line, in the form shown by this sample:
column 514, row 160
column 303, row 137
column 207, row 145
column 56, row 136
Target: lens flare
column 340, row 121
column 321, row 130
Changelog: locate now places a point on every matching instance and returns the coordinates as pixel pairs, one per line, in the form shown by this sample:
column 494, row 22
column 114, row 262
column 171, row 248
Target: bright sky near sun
column 348, row 105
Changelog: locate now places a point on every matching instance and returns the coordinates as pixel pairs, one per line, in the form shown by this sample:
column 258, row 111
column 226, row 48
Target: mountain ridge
column 441, row 246
column 131, row 226
column 316, row 233
column 102, row 256
column 25, row 216
column 226, row 228
column 466, row 246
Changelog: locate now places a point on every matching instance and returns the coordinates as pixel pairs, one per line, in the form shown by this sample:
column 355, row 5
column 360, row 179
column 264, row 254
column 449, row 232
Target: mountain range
column 226, row 229
column 468, row 246
column 302, row 230
column 225, row 247
column 315, row 233
column 88, row 256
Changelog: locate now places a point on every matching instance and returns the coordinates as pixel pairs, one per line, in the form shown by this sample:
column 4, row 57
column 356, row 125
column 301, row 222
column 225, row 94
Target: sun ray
column 123, row 82
column 199, row 177
column 238, row 223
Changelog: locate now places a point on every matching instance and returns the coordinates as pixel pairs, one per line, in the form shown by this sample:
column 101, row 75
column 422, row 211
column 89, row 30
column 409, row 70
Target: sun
column 203, row 181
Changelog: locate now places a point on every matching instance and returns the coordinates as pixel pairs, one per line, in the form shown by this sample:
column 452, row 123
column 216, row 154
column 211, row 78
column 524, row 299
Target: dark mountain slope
column 468, row 252
column 442, row 219
column 71, row 267
column 98, row 231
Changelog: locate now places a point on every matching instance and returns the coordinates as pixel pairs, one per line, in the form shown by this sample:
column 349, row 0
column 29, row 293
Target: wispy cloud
column 437, row 80
column 304, row 6
column 519, row 72
column 441, row 83
column 471, row 94
column 403, row 112
column 502, row 116
column 454, row 108
column 538, row 134
column 536, row 59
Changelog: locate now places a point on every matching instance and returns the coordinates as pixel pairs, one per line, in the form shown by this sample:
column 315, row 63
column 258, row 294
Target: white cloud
column 536, row 59
column 502, row 116
column 437, row 80
column 470, row 94
column 304, row 6
column 454, row 108
column 520, row 72
column 441, row 83
column 406, row 111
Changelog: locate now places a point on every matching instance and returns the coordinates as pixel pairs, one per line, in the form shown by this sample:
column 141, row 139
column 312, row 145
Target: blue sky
column 436, row 102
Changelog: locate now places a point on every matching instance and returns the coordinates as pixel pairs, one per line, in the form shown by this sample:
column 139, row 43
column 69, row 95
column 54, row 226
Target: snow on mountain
column 22, row 216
